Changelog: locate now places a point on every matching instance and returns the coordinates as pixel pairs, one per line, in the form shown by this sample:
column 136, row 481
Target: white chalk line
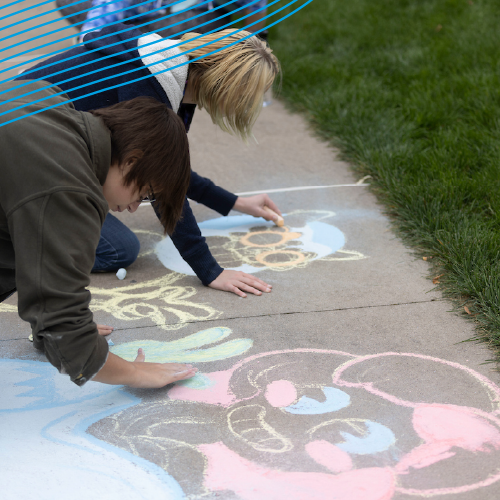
column 301, row 188
column 360, row 183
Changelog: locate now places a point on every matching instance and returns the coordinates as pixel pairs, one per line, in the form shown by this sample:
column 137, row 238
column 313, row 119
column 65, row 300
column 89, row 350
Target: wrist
column 134, row 377
column 238, row 204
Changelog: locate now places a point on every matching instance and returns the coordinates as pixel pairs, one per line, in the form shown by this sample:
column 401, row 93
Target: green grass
column 409, row 91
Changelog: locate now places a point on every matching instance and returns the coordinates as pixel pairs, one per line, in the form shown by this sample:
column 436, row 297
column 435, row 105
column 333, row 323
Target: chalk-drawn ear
column 393, row 376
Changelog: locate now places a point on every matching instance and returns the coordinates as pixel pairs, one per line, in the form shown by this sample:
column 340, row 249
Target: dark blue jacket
column 187, row 237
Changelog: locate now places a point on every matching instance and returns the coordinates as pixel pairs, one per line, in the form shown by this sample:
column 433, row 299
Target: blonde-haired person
column 229, row 81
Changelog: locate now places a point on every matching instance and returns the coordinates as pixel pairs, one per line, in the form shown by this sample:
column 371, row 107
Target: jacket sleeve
column 203, row 190
column 54, row 238
column 193, row 247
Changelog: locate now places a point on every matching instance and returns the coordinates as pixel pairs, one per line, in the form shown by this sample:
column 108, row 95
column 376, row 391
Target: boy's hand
column 254, row 205
column 117, row 371
column 239, row 282
column 104, row 330
column 156, row 375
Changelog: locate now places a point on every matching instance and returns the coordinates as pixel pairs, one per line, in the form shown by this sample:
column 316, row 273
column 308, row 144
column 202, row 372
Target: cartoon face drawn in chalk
column 45, row 449
column 350, row 428
column 244, row 243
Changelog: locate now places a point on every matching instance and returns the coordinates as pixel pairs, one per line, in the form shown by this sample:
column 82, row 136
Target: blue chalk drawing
column 316, row 238
column 199, row 382
column 378, row 438
column 45, row 450
column 335, row 400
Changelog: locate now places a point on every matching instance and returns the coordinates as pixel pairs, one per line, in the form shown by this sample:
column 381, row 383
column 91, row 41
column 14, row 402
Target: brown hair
column 231, row 83
column 152, row 138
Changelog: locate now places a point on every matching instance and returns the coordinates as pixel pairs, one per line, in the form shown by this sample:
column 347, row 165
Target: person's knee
column 131, row 250
column 118, row 246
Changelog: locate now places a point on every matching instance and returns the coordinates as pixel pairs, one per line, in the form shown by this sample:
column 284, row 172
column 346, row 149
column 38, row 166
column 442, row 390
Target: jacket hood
column 110, row 42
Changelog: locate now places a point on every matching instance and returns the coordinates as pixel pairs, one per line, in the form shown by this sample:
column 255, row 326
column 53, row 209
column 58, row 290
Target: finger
column 269, row 214
column 249, row 289
column 270, row 203
column 178, row 367
column 250, row 278
column 256, row 282
column 184, row 374
column 104, row 329
column 140, row 355
column 272, row 215
column 237, row 291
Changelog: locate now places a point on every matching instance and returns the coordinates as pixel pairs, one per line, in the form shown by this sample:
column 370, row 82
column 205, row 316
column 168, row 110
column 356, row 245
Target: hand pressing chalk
column 277, row 219
column 260, row 206
column 121, row 273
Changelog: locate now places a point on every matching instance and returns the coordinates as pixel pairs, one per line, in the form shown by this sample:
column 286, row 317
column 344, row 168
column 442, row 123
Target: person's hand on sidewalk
column 254, row 205
column 239, row 282
column 139, row 374
column 104, row 330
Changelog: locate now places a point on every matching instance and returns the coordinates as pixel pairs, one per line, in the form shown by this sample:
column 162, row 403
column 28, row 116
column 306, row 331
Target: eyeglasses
column 149, row 198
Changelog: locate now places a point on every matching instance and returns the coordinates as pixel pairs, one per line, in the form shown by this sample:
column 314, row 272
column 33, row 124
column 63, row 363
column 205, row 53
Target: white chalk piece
column 121, row 273
column 278, row 220
column 110, row 342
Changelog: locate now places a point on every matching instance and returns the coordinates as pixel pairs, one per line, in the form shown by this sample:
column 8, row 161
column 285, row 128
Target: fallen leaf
column 425, row 258
column 436, row 279
column 467, row 310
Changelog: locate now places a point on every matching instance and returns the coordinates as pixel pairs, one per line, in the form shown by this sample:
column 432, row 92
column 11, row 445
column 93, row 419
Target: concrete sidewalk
column 349, row 381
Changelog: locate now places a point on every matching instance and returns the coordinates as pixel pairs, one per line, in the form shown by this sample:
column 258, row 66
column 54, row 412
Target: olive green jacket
column 52, row 168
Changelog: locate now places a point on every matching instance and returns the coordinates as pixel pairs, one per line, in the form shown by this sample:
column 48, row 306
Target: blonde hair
column 231, row 83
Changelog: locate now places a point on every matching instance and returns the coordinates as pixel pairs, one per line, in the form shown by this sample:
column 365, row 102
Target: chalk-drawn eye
column 335, row 400
column 375, row 439
column 366, row 437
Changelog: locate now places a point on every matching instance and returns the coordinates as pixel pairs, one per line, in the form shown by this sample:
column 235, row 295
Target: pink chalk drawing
column 323, row 424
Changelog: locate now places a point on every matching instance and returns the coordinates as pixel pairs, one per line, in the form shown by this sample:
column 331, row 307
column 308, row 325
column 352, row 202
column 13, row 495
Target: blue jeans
column 118, row 246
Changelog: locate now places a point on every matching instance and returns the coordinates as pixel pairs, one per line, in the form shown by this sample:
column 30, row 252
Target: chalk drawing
column 187, row 349
column 161, row 300
column 359, row 431
column 7, row 308
column 45, row 449
column 45, row 452
column 247, row 244
column 335, row 400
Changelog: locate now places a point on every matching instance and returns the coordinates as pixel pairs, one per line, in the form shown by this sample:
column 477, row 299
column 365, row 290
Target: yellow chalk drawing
column 167, row 305
column 283, row 236
column 248, row 423
column 154, row 235
column 295, row 259
column 8, row 308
